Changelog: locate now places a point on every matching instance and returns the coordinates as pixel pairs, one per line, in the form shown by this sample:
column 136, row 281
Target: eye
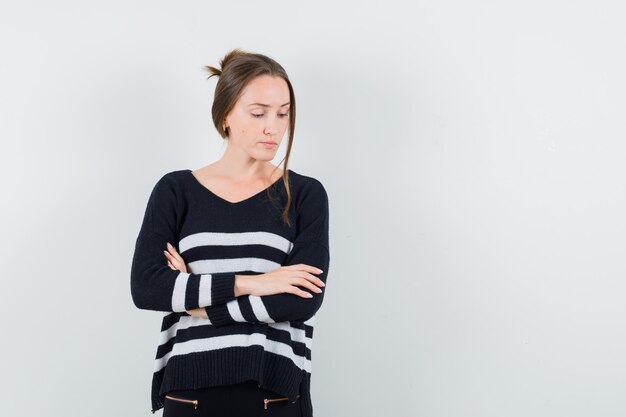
column 261, row 115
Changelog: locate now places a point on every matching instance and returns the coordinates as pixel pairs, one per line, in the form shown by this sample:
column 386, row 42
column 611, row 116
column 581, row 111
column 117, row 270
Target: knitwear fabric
column 263, row 338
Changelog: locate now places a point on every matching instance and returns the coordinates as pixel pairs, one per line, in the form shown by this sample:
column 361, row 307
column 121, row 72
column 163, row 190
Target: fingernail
column 309, row 295
column 323, row 284
column 320, row 270
column 168, row 245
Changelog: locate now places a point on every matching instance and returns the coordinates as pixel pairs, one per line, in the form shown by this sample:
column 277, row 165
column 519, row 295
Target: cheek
column 249, row 126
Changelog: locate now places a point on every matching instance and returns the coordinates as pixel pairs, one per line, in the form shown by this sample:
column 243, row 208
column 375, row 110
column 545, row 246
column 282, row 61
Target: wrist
column 241, row 287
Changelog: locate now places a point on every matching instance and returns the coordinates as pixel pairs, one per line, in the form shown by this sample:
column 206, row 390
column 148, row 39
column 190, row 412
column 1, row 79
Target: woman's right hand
column 285, row 279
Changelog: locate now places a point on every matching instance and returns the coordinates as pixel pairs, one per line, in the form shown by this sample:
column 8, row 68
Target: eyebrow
column 266, row 105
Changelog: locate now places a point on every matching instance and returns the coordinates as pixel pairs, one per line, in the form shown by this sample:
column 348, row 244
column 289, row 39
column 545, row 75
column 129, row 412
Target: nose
column 271, row 128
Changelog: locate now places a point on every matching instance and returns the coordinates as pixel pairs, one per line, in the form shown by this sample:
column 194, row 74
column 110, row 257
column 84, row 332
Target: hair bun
column 212, row 71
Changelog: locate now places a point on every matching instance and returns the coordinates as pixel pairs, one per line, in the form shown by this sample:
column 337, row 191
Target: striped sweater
column 262, row 338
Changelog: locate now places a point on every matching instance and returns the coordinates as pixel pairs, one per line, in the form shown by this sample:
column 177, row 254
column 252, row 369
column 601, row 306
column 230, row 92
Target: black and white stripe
column 265, row 338
column 205, row 267
column 193, row 290
column 296, row 335
column 234, row 239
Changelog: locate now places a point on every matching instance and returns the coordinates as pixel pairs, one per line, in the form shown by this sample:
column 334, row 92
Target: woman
column 236, row 255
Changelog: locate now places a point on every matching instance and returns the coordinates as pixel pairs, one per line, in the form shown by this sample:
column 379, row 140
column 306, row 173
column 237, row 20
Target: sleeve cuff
column 222, row 288
column 218, row 314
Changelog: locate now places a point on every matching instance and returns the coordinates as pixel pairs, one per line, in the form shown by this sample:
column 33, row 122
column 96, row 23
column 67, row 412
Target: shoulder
column 169, row 184
column 305, row 182
column 308, row 192
column 172, row 178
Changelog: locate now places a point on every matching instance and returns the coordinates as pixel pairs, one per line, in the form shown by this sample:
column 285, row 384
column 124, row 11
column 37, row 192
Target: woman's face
column 260, row 115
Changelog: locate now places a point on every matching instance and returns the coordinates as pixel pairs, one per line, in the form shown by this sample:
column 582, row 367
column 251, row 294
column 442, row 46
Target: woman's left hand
column 177, row 263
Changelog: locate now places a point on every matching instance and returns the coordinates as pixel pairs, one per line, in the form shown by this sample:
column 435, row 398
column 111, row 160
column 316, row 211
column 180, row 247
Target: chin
column 265, row 157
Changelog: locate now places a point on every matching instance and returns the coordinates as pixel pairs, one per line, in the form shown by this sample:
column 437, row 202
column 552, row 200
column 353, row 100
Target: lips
column 269, row 143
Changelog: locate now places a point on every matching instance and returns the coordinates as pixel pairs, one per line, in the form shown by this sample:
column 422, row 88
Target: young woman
column 236, row 255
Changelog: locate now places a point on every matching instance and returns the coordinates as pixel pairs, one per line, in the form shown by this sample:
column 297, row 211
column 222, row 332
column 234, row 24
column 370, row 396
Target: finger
column 170, row 265
column 178, row 263
column 305, row 267
column 197, row 312
column 309, row 277
column 301, row 293
column 303, row 279
column 305, row 282
column 173, row 251
column 297, row 271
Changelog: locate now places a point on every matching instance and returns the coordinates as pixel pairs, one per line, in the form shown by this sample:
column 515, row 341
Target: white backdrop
column 475, row 162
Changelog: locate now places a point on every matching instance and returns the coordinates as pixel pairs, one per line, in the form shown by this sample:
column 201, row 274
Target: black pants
column 245, row 399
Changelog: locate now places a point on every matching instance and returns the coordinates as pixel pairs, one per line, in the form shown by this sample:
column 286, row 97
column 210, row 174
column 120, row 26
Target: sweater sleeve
column 311, row 247
column 154, row 285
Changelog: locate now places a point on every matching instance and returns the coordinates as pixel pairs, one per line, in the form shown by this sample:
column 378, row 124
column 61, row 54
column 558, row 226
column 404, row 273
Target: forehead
column 266, row 89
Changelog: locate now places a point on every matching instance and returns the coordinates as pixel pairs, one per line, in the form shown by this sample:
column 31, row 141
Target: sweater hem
column 231, row 366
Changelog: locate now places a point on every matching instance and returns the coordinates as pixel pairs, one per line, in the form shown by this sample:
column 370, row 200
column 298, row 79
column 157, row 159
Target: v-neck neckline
column 232, row 203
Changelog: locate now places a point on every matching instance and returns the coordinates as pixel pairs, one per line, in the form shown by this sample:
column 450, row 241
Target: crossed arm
column 300, row 274
column 156, row 286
